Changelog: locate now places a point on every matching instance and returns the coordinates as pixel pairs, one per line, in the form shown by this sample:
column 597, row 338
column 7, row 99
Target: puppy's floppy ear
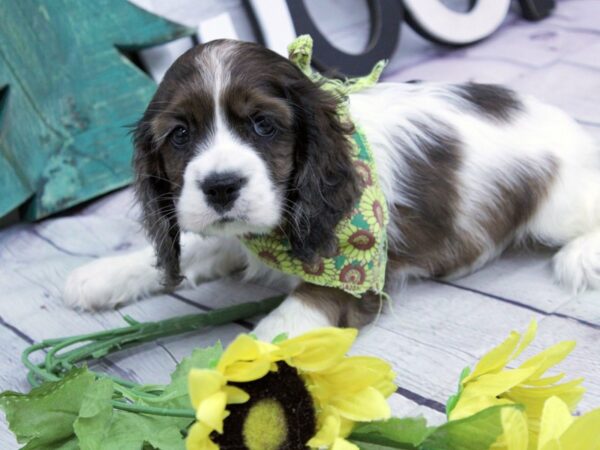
column 154, row 193
column 324, row 187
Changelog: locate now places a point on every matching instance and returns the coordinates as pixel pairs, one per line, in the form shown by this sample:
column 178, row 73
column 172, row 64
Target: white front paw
column 108, row 282
column 292, row 317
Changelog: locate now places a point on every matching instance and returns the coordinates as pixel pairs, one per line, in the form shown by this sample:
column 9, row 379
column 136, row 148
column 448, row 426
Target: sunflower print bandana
column 360, row 261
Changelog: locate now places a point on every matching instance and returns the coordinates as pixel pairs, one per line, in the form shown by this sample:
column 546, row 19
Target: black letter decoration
column 276, row 24
column 535, row 10
column 386, row 17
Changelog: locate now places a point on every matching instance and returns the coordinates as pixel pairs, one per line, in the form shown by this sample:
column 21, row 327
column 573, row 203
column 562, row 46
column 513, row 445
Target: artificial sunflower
column 491, row 383
column 299, row 393
column 559, row 430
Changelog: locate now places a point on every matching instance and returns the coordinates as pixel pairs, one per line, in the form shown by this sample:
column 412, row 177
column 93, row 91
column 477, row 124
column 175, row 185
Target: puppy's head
column 238, row 140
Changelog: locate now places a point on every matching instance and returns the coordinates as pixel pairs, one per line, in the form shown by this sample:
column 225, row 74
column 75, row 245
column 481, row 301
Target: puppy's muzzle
column 222, row 190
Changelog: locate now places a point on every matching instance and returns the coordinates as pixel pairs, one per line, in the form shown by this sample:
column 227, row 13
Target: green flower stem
column 149, row 331
column 36, row 370
column 63, row 354
column 143, row 409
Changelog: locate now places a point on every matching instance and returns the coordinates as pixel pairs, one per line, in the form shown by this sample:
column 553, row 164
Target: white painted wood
column 120, row 203
column 580, row 98
column 523, row 276
column 455, row 68
column 582, row 56
column 577, row 15
column 434, row 332
column 11, row 376
column 403, row 407
column 584, row 306
column 7, row 439
column 538, row 46
column 41, row 315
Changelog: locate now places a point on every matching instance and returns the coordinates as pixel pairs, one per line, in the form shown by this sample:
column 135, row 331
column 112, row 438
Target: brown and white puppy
column 238, row 140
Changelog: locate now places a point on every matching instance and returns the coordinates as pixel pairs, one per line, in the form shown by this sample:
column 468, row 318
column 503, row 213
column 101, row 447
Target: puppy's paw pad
column 93, row 286
column 285, row 320
column 577, row 264
column 270, row 327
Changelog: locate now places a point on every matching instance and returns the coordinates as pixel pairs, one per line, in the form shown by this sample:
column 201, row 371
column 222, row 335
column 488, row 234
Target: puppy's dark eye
column 179, row 137
column 263, row 126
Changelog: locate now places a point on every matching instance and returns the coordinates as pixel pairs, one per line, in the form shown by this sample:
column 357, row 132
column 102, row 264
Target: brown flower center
column 279, row 399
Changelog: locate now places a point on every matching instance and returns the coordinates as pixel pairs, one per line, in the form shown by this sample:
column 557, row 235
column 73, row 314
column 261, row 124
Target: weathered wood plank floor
column 434, row 329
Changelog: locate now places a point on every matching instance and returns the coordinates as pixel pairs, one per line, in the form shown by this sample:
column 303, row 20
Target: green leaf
column 99, row 427
column 43, row 418
column 96, row 411
column 476, row 432
column 453, row 399
column 280, row 338
column 396, row 433
column 129, row 431
column 371, row 446
column 67, row 94
column 132, row 431
column 175, row 394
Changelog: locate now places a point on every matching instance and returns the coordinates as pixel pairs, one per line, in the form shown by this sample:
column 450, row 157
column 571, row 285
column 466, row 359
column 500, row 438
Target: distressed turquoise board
column 67, row 96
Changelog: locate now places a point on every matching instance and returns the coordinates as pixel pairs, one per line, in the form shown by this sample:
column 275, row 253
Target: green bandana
column 359, row 264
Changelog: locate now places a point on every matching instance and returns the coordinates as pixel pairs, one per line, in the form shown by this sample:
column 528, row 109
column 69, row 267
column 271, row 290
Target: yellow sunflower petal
column 553, row 445
column 343, row 444
column 198, row 438
column 528, row 337
column 547, row 381
column 496, row 358
column 386, row 386
column 362, row 406
column 514, row 426
column 468, row 406
column 319, row 349
column 235, row 395
column 328, row 431
column 548, row 358
column 346, row 427
column 266, row 347
column 355, row 373
column 243, row 371
column 211, row 411
column 203, row 383
column 556, row 418
column 534, row 397
column 583, row 433
column 494, row 384
column 243, row 348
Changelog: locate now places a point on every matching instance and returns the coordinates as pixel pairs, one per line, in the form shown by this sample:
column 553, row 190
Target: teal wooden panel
column 68, row 96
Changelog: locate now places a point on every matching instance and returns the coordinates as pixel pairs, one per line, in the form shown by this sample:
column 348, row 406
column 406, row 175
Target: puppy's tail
column 577, row 264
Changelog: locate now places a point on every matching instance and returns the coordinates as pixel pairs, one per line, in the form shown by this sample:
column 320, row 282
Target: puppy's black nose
column 222, row 189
